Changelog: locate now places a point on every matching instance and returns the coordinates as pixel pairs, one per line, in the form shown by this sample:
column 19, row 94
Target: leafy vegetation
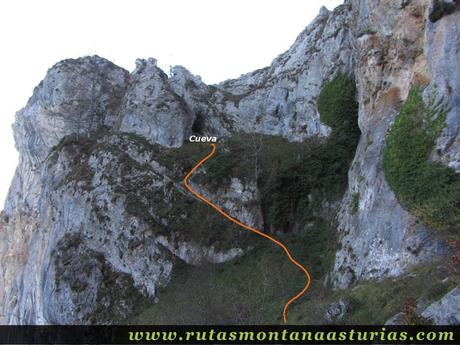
column 440, row 9
column 295, row 177
column 374, row 302
column 355, row 202
column 367, row 31
column 136, row 184
column 194, row 222
column 244, row 291
column 224, row 294
column 318, row 170
column 74, row 262
column 428, row 189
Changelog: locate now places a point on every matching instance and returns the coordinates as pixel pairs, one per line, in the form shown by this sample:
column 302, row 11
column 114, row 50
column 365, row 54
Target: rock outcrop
column 96, row 218
column 397, row 48
column 281, row 99
column 150, row 108
column 446, row 311
column 89, row 193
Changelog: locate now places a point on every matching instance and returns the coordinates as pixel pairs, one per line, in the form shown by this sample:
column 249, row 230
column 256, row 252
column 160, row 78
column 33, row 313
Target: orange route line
column 258, row 232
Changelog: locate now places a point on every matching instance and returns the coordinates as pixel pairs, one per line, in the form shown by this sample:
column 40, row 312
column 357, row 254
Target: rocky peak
column 152, row 109
column 75, row 96
column 185, row 83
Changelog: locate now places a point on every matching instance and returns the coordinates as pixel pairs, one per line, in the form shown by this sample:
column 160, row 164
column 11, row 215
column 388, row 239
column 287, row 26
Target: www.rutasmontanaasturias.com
column 292, row 336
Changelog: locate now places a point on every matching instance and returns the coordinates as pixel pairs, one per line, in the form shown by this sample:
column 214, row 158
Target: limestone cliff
column 398, row 47
column 97, row 220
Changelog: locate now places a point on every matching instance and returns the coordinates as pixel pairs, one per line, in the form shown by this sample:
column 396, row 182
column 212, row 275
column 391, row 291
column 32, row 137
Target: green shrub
column 317, row 170
column 355, row 202
column 337, row 104
column 224, row 293
column 375, row 301
column 368, row 31
column 294, row 177
column 428, row 189
column 440, row 9
column 232, row 159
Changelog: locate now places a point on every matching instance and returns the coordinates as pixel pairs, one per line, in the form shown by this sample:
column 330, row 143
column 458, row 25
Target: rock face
column 335, row 311
column 150, row 108
column 446, row 311
column 281, row 99
column 93, row 210
column 75, row 97
column 442, row 50
column 397, row 47
column 105, row 233
column 96, row 214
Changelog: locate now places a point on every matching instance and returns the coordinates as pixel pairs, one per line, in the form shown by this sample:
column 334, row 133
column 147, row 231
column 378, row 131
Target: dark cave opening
column 198, row 124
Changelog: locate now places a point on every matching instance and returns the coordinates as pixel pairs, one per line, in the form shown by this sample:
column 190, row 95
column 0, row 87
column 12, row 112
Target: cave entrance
column 198, row 124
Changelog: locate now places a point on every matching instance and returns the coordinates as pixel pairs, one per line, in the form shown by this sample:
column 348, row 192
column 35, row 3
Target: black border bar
column 229, row 334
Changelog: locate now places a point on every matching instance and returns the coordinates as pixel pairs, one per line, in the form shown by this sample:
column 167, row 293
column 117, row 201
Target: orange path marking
column 258, row 232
